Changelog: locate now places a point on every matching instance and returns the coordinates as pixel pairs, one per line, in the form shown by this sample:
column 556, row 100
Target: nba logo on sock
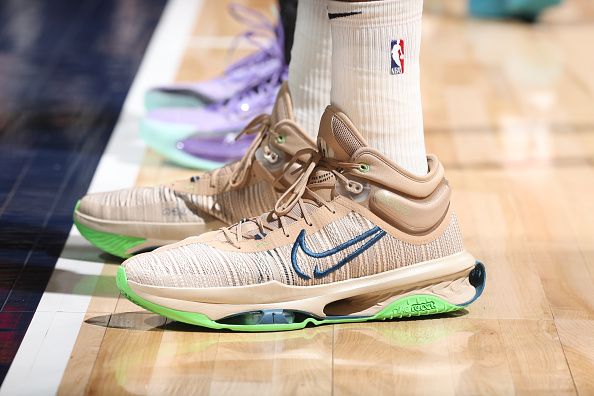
column 397, row 58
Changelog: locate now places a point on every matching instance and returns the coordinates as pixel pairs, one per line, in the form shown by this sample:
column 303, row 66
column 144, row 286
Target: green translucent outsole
column 115, row 244
column 406, row 307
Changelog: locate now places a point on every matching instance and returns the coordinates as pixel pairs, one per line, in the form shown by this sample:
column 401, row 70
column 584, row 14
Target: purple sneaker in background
column 238, row 76
column 224, row 149
column 162, row 129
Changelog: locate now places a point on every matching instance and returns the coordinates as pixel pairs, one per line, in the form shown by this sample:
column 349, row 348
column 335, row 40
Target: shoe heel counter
column 451, row 240
column 410, row 214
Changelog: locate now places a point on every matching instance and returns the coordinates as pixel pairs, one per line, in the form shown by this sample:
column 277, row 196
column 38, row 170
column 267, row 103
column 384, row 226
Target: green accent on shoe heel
column 115, row 244
column 406, row 307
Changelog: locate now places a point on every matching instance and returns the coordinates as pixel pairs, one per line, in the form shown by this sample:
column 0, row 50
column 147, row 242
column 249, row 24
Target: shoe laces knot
column 316, row 161
column 294, row 193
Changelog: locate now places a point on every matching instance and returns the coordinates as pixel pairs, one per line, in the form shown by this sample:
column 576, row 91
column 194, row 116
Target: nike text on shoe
column 126, row 222
column 354, row 238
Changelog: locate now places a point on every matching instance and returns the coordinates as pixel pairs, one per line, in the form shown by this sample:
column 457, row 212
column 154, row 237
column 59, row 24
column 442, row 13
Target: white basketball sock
column 382, row 96
column 309, row 70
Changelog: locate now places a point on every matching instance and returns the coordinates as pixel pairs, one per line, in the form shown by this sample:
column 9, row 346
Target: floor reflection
column 148, row 353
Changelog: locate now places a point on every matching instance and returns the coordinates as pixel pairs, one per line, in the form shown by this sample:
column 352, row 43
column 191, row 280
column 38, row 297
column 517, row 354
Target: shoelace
column 294, row 194
column 264, row 88
column 259, row 29
column 262, row 128
column 256, row 85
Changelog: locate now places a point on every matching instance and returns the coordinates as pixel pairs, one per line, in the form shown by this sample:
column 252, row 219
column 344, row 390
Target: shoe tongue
column 322, row 182
column 338, row 138
column 250, row 229
column 283, row 106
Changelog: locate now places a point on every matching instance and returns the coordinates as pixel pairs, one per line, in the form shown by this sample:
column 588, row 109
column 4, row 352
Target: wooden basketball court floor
column 509, row 109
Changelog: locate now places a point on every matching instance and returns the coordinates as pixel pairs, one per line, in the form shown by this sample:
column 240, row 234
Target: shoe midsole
column 446, row 277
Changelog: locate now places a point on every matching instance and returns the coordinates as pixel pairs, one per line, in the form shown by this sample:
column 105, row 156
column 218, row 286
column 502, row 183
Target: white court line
column 41, row 360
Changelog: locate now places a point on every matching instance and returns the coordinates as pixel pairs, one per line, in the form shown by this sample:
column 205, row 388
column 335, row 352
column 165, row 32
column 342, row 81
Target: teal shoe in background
column 527, row 10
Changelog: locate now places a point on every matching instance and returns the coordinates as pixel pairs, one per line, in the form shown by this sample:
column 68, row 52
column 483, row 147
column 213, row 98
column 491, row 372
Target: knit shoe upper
column 350, row 213
column 241, row 189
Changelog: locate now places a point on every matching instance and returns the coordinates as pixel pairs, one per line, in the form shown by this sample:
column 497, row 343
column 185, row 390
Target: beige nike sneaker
column 126, row 222
column 355, row 238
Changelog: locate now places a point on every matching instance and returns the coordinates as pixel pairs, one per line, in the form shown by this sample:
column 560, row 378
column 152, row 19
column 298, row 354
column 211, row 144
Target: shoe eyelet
column 364, row 168
column 355, row 188
column 281, row 139
column 272, row 157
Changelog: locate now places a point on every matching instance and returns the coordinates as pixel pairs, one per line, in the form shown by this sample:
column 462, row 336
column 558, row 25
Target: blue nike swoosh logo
column 370, row 237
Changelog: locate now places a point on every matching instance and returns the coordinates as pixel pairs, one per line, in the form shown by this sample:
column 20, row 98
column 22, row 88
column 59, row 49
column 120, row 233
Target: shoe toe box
column 170, row 267
column 196, row 263
column 187, row 264
column 142, row 204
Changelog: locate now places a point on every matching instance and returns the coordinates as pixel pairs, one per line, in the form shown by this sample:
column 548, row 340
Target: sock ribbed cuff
column 376, row 75
column 310, row 67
